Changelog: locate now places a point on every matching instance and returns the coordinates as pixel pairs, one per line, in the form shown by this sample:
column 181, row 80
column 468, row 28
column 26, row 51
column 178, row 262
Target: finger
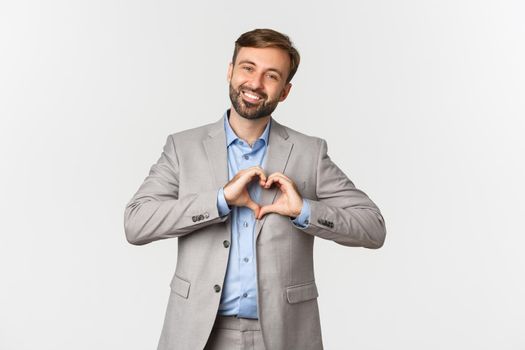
column 256, row 171
column 281, row 175
column 268, row 182
column 276, row 176
column 255, row 167
column 273, row 177
column 272, row 208
column 254, row 207
column 283, row 184
column 244, row 177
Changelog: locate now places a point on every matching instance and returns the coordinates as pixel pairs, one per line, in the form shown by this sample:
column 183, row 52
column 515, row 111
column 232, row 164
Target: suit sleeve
column 342, row 212
column 157, row 212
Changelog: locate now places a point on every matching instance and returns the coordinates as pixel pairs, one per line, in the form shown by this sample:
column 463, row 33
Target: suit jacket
column 179, row 199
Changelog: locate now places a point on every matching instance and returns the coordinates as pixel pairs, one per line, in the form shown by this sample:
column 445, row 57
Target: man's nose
column 256, row 81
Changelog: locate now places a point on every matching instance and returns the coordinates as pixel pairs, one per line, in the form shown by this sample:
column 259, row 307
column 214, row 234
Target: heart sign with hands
column 289, row 203
column 236, row 190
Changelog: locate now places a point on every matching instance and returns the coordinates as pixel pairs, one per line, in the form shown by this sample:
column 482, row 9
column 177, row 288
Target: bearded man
column 246, row 196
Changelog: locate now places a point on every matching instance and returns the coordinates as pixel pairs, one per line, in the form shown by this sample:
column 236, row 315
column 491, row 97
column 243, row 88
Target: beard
column 249, row 110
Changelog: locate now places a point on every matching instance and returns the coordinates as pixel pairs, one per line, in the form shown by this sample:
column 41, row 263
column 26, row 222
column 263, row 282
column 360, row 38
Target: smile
column 250, row 97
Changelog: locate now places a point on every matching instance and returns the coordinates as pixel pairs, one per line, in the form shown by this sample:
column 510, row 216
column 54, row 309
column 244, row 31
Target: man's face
column 258, row 81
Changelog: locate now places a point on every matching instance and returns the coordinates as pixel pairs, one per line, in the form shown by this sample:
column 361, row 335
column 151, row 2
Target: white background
column 421, row 102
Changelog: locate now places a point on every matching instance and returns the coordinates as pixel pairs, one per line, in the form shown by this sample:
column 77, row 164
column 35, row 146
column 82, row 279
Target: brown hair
column 261, row 38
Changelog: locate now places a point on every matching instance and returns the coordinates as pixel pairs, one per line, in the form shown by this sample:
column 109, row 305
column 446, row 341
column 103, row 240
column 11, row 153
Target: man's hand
column 236, row 190
column 289, row 202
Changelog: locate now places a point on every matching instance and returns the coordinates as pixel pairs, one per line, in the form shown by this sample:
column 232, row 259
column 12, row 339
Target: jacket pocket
column 180, row 286
column 301, row 292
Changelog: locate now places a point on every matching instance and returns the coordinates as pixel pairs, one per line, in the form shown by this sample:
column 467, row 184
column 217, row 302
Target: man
column 246, row 196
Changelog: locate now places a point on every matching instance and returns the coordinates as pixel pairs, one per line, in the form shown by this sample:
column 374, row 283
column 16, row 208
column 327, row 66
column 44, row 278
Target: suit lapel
column 215, row 146
column 277, row 155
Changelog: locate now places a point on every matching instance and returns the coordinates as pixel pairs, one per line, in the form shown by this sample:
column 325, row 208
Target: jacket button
column 226, row 244
column 206, row 215
column 200, row 217
column 217, row 288
column 194, row 218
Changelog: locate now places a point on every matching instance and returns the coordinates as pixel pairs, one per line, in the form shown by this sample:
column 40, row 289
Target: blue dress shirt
column 239, row 292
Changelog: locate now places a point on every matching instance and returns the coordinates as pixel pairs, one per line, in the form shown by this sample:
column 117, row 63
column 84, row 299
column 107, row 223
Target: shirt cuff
column 222, row 206
column 303, row 219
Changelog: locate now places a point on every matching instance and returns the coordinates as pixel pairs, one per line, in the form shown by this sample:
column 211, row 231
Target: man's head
column 263, row 64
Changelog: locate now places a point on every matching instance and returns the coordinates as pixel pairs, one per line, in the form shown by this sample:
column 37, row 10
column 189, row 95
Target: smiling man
column 246, row 196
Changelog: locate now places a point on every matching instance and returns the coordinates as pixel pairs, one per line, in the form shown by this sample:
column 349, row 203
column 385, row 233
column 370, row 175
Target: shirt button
column 245, row 295
column 245, row 224
column 246, row 156
column 246, row 259
column 217, row 288
column 226, row 243
column 306, row 222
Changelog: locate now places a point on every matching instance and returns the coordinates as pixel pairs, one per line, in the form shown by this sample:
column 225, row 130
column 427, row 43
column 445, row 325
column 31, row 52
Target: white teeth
column 251, row 96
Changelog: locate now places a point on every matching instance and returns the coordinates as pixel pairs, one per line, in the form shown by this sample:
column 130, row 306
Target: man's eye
column 247, row 68
column 274, row 77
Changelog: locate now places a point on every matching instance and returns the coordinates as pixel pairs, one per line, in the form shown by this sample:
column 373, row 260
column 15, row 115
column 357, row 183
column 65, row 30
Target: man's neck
column 247, row 129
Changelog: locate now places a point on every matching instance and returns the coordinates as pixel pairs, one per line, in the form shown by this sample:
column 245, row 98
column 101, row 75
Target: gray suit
column 179, row 199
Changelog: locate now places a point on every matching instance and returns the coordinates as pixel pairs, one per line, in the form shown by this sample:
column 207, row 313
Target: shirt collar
column 231, row 136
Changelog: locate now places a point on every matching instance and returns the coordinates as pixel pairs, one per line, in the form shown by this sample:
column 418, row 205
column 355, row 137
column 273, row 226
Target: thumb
column 253, row 206
column 265, row 210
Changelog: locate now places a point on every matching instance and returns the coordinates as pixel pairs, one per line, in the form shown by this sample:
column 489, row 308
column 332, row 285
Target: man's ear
column 285, row 92
column 230, row 71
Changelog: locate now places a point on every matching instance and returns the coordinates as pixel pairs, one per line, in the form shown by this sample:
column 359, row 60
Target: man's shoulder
column 198, row 133
column 300, row 137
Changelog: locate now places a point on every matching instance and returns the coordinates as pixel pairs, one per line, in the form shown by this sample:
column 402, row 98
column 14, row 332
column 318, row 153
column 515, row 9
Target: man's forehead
column 267, row 57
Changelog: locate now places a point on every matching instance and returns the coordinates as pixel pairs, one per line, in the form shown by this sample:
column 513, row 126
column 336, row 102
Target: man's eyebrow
column 270, row 69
